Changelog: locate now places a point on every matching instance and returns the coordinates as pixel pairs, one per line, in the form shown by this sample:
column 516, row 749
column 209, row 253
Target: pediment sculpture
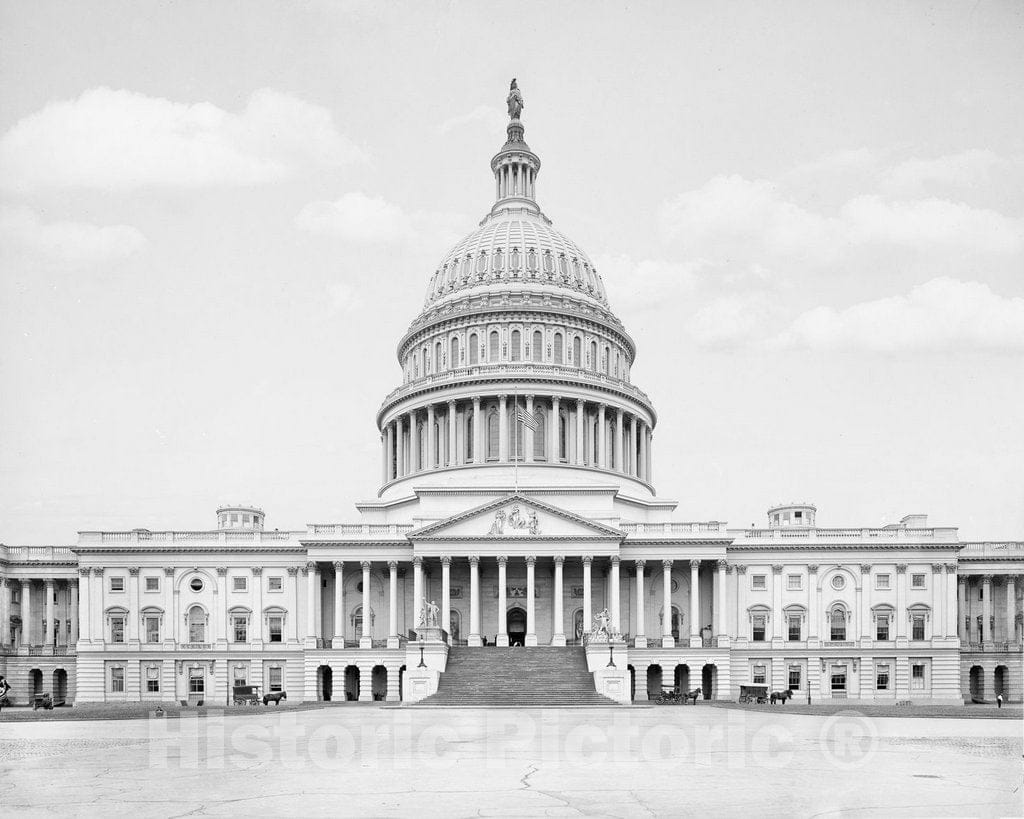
column 515, row 522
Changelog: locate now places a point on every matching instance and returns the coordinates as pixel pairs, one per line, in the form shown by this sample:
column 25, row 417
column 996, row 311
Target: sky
column 217, row 219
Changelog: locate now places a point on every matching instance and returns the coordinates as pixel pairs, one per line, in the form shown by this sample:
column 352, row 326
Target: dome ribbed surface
column 516, row 248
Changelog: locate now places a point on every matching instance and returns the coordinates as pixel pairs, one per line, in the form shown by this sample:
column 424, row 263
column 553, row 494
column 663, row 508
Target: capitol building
column 516, row 549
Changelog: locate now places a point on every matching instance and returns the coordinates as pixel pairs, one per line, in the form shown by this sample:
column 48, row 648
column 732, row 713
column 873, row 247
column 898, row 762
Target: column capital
column 82, row 573
column 503, row 397
column 339, row 565
column 257, row 571
column 694, row 564
column 221, row 571
column 502, row 560
column 559, row 560
column 531, row 560
column 476, row 402
column 392, row 565
column 474, row 560
column 451, row 403
column 417, row 560
column 901, row 568
column 168, row 571
column 987, row 578
column 556, row 398
column 741, row 569
column 293, row 570
column 365, row 564
column 579, row 403
column 602, row 406
column 951, row 568
column 614, row 560
column 865, row 568
column 777, row 568
column 666, row 564
column 728, row 567
column 961, row 580
column 936, row 568
column 98, row 571
column 446, row 560
column 640, row 563
column 723, row 564
column 588, row 559
column 812, row 568
column 134, row 571
column 529, row 396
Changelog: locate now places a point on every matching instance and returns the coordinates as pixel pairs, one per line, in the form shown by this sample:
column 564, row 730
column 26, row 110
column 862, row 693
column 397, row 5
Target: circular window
column 196, row 584
column 838, row 581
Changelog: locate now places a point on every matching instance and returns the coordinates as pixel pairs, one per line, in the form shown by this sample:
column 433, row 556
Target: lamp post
column 611, row 656
column 422, row 664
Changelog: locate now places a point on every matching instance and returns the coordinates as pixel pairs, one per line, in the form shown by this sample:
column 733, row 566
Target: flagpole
column 515, row 439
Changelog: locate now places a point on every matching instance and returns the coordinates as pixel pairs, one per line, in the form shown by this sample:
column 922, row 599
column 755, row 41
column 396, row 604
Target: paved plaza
column 400, row 761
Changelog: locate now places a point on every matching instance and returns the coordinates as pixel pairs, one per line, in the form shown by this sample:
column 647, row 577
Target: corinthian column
column 431, row 441
column 414, row 444
column 366, row 640
column 503, row 429
column 528, row 433
column 338, row 641
column 310, row 571
column 619, row 422
column 578, row 459
column 602, row 437
column 613, row 581
column 453, row 455
column 588, row 617
column 479, row 456
column 640, row 640
column 474, row 601
column 531, row 607
column 667, row 640
column 558, row 632
column 553, row 429
column 502, row 633
column 446, row 593
column 695, row 641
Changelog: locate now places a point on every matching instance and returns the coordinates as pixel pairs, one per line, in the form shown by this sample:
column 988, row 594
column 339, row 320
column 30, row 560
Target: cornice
column 843, row 547
column 177, row 548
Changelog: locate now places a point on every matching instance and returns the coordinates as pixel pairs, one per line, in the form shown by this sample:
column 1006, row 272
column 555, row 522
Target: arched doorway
column 60, row 684
column 325, row 682
column 401, row 683
column 977, row 681
column 379, row 683
column 708, row 680
column 351, row 683
column 1002, row 681
column 682, row 678
column 653, row 681
column 515, row 625
column 632, row 683
column 36, row 678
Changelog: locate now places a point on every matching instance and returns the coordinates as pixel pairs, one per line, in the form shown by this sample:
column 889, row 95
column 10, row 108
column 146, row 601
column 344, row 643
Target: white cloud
column 117, row 139
column 647, row 284
column 942, row 314
column 361, row 219
column 961, row 169
column 732, row 320
column 72, row 243
column 493, row 119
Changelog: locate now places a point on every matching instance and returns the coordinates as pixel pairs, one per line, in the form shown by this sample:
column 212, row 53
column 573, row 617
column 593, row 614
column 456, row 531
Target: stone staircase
column 519, row 677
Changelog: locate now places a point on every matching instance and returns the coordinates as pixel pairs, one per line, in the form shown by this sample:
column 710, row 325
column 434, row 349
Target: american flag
column 526, row 419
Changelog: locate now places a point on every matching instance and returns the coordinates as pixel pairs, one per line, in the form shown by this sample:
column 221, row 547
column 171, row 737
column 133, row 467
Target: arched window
column 516, row 350
column 607, row 358
column 465, row 268
column 415, row 365
column 421, row 436
column 493, row 347
column 539, row 434
column 577, row 351
column 593, row 356
column 470, row 438
column 481, row 264
column 196, row 625
column 453, row 354
column 618, row 365
column 357, row 621
column 517, row 260
column 538, row 346
column 474, row 349
column 499, row 262
column 425, row 357
column 558, row 349
column 437, row 357
column 531, row 261
column 563, row 268
column 492, row 435
column 549, row 263
column 592, row 449
column 563, row 437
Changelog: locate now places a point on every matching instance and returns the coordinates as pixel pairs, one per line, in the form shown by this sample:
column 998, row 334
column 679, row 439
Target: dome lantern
column 515, row 166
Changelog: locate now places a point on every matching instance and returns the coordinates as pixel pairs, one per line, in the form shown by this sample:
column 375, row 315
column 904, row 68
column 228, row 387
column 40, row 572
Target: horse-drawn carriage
column 754, row 693
column 245, row 694
column 675, row 696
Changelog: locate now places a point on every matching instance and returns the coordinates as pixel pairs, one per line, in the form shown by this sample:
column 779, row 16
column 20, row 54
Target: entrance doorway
column 60, row 684
column 515, row 625
column 708, row 680
column 326, row 675
column 1002, row 681
column 351, row 683
column 977, row 681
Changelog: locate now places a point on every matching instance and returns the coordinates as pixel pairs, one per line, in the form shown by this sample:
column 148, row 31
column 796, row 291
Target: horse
column 692, row 695
column 781, row 696
column 275, row 698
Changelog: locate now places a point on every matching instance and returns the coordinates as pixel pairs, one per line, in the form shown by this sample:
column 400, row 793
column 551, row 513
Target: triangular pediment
column 515, row 517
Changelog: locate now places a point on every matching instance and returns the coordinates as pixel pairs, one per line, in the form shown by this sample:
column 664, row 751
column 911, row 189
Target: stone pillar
column 502, row 632
column 961, row 616
column 631, row 461
column 553, row 428
column 642, row 470
column 986, row 609
column 558, row 630
column 5, row 611
column 528, row 433
column 479, row 455
column 26, row 612
column 864, row 605
column 901, row 601
column 474, row 601
column 578, row 459
column 813, row 603
column 339, row 605
column 389, row 468
column 649, row 436
column 1011, row 608
column 720, row 628
column 531, row 606
column 602, row 437
column 218, row 624
column 667, row 640
column 640, row 639
column 695, row 641
column 453, row 454
column 742, row 632
column 938, row 604
column 310, row 572
column 393, row 641
column 431, row 441
column 49, row 613
column 613, row 582
column 85, row 606
column 777, row 603
column 291, row 622
column 417, row 590
column 588, row 613
column 99, row 626
column 619, row 428
column 503, row 429
column 385, row 461
column 414, row 444
column 446, row 593
column 72, row 612
column 171, row 624
column 400, row 446
column 366, row 638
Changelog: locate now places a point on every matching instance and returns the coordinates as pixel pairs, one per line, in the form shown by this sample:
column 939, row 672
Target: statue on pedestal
column 428, row 616
column 601, row 620
column 514, row 101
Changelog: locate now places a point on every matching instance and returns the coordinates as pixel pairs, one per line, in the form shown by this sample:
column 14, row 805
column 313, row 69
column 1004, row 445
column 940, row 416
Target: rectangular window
column 117, row 584
column 839, row 679
column 758, row 628
column 152, row 679
column 793, row 582
column 240, row 676
column 117, row 629
column 152, row 629
column 882, row 627
column 760, row 674
column 117, row 680
column 239, row 583
column 794, row 627
column 275, row 679
column 758, row 581
column 196, row 681
column 241, row 628
column 882, row 678
column 275, row 625
column 837, row 626
column 882, row 581
column 794, row 677
column 918, row 630
column 917, row 581
column 917, row 677
column 152, row 584
column 274, row 583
